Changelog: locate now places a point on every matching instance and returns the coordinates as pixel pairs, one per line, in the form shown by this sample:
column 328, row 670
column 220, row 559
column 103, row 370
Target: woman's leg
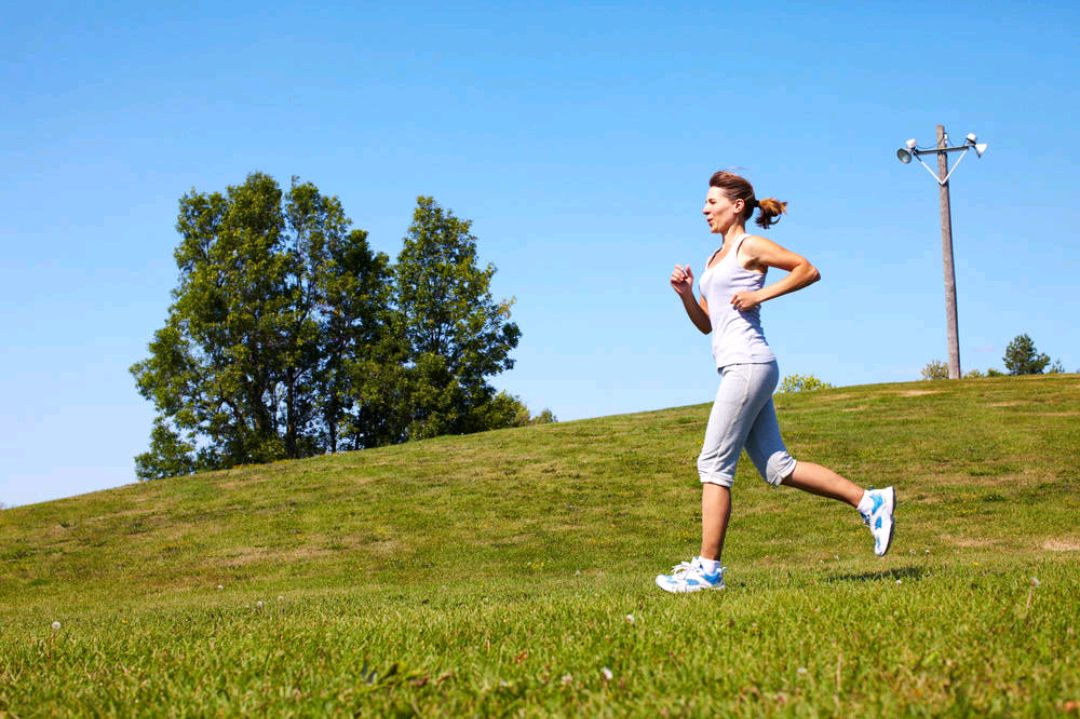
column 766, row 449
column 824, row 482
column 743, row 392
column 715, row 513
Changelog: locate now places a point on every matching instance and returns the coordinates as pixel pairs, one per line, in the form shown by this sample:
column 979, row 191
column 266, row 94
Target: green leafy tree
column 1021, row 357
column 1056, row 368
column 456, row 334
column 262, row 353
column 347, row 293
column 935, row 369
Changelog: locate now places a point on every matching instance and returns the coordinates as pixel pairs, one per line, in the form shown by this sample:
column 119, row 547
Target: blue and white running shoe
column 690, row 577
column 880, row 518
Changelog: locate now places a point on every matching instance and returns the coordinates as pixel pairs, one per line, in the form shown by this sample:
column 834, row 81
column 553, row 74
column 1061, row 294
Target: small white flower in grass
column 220, row 587
column 259, row 604
column 567, row 678
column 801, row 670
column 56, row 626
column 629, row 618
column 1034, row 581
column 280, row 598
column 898, row 581
column 607, row 674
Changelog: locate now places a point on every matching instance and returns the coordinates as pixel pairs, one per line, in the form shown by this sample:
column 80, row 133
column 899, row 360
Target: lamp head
column 980, row 149
column 971, row 138
column 903, row 155
column 910, row 144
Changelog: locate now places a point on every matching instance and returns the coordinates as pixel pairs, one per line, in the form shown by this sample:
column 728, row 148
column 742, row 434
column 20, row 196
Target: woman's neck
column 736, row 230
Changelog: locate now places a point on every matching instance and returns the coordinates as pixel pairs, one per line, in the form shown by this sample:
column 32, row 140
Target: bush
column 507, row 410
column 1056, row 368
column 545, row 417
column 802, row 383
column 974, row 374
column 994, row 373
column 935, row 369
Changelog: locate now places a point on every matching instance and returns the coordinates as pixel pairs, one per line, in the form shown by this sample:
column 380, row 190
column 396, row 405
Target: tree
column 935, row 369
column 349, row 297
column 276, row 312
column 1021, row 357
column 1056, row 368
column 456, row 335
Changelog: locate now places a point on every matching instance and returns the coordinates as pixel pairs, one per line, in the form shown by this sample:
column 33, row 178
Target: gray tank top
column 737, row 336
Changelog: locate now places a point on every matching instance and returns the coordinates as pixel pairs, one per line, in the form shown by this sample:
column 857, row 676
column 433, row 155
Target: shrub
column 802, row 383
column 545, row 417
column 935, row 369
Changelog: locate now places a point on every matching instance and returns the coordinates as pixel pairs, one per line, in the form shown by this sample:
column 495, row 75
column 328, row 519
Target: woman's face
column 719, row 211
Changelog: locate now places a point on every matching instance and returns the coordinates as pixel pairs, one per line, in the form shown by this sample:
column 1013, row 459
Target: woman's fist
column 682, row 280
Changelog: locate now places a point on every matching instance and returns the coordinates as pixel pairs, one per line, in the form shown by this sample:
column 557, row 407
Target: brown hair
column 735, row 187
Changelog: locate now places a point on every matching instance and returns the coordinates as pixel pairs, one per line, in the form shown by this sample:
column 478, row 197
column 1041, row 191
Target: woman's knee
column 777, row 467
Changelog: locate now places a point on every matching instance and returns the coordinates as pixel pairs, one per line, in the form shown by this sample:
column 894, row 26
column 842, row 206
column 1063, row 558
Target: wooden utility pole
column 947, row 256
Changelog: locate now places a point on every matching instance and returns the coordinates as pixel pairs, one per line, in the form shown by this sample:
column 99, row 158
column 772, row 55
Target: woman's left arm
column 760, row 253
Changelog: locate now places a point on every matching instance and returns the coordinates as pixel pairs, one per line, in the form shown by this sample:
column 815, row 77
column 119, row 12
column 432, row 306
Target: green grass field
column 511, row 574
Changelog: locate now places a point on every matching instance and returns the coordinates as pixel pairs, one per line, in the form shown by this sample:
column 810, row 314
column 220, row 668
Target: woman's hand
column 745, row 301
column 682, row 280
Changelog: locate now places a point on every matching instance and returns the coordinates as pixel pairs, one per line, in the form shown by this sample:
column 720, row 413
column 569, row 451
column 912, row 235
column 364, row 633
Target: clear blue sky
column 579, row 138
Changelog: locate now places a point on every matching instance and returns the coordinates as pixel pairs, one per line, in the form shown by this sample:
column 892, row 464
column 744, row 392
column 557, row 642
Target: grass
column 510, row 574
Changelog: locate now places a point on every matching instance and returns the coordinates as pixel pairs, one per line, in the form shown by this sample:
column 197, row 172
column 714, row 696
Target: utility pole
column 952, row 327
column 904, row 154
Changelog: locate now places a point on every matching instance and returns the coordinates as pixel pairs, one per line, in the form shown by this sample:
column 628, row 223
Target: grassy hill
column 510, row 573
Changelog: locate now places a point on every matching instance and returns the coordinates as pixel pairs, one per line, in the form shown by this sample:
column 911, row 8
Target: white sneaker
column 690, row 577
column 880, row 518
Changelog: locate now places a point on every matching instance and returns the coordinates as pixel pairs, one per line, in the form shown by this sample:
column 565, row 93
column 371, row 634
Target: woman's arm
column 682, row 281
column 758, row 253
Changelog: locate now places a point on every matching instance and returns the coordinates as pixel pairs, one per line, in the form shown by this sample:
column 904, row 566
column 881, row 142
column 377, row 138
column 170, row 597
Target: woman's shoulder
column 753, row 244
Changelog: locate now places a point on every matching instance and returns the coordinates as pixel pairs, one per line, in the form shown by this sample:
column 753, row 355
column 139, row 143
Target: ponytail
column 769, row 213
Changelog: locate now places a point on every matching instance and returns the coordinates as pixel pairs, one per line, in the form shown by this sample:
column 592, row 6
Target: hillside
column 417, row 557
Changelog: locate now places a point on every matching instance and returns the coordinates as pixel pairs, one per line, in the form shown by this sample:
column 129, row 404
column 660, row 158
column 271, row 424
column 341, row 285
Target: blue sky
column 578, row 137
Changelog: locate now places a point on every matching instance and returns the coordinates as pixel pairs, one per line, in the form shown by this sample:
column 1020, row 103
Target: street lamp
column 912, row 150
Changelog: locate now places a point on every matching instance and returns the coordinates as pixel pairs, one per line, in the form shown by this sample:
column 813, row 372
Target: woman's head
column 741, row 202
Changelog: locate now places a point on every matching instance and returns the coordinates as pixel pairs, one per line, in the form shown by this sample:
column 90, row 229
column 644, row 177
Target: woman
column 732, row 291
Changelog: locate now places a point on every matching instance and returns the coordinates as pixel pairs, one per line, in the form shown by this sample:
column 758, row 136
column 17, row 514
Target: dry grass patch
column 967, row 542
column 1062, row 545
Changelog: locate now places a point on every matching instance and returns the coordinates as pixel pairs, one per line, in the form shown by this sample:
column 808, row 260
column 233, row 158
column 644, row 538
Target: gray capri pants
column 743, row 416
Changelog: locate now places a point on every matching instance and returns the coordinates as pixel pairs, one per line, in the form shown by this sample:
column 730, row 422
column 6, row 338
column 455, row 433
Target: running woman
column 732, row 291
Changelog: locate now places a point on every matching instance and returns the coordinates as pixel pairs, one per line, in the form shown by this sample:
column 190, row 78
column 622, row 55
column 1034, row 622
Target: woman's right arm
column 682, row 281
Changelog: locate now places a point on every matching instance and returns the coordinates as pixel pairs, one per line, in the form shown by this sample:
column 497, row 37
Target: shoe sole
column 718, row 587
column 892, row 523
